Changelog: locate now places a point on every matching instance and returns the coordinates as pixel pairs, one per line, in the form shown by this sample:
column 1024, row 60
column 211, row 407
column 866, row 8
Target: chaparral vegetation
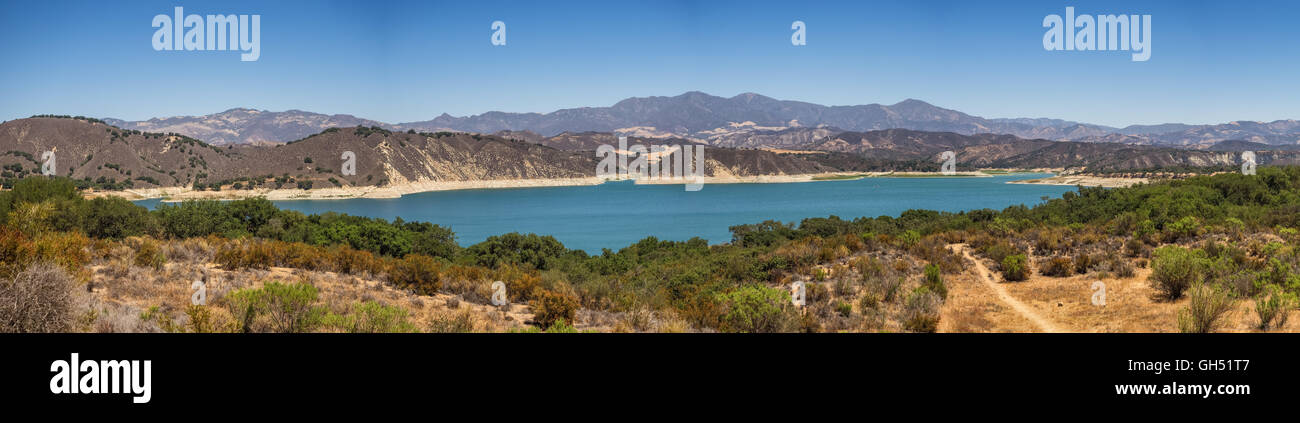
column 1200, row 254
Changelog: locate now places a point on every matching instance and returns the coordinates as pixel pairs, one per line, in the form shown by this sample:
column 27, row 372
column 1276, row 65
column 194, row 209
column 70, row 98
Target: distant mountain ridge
column 247, row 126
column 698, row 115
column 102, row 156
column 745, row 120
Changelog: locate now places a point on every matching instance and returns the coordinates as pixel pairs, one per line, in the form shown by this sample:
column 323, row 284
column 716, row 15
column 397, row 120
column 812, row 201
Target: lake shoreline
column 1084, row 180
column 175, row 194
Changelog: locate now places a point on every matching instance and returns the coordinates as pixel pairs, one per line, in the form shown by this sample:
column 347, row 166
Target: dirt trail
column 983, row 272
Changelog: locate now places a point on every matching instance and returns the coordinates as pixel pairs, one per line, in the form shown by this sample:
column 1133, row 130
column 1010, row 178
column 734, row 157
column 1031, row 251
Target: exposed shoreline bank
column 1085, row 180
column 171, row 194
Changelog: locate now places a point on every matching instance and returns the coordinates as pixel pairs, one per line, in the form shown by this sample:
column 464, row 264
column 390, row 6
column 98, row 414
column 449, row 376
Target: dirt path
column 983, row 272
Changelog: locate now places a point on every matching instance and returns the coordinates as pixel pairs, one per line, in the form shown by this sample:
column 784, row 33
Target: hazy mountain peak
column 700, row 116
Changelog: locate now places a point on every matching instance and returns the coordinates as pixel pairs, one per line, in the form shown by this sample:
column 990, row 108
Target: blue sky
column 1211, row 62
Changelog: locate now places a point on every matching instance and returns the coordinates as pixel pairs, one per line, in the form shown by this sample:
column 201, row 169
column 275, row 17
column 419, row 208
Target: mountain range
column 745, row 120
column 103, row 156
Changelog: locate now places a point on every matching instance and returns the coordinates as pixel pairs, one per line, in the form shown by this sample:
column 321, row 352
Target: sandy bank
column 1087, row 181
column 398, row 190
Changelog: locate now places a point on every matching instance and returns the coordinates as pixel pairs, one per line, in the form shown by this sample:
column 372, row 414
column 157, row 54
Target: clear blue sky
column 1211, row 62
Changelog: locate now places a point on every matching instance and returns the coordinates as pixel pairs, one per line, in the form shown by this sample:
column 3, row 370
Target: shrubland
column 1208, row 238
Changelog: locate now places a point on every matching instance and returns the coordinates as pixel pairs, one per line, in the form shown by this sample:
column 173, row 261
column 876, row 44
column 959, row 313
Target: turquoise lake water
column 614, row 215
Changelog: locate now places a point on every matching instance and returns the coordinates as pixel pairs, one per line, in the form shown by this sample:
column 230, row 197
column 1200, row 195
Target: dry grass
column 1132, row 305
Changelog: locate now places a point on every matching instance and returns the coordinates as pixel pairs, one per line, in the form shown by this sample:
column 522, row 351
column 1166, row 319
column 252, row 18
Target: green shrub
column 288, row 308
column 291, row 307
column 869, row 301
column 372, row 317
column 1014, row 267
column 245, row 306
column 934, row 281
column 843, row 308
column 999, row 250
column 1187, row 227
column 1205, row 309
column 1174, row 269
column 561, row 326
column 1273, row 306
column 756, row 309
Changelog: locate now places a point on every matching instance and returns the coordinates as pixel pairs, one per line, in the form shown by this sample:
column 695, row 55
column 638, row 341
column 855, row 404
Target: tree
column 531, row 249
column 116, row 218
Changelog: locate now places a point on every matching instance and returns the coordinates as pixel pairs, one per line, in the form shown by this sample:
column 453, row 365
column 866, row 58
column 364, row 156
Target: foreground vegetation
column 1208, row 241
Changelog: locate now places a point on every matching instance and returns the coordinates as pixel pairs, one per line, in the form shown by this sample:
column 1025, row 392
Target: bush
column 452, row 322
column 289, row 308
column 241, row 254
column 116, row 218
column 38, row 299
column 1273, row 306
column 843, row 308
column 1014, row 267
column 245, row 306
column 882, row 287
column 1134, row 247
column 1083, row 262
column 756, row 309
column 531, row 249
column 816, row 293
column 1057, row 267
column 149, row 254
column 551, row 307
column 921, row 312
column 1121, row 267
column 934, row 281
column 1000, row 250
column 372, row 317
column 1174, row 269
column 417, row 272
column 1187, row 227
column 1205, row 310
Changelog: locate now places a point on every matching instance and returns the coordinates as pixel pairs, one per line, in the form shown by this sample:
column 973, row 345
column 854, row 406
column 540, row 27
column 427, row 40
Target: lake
column 614, row 215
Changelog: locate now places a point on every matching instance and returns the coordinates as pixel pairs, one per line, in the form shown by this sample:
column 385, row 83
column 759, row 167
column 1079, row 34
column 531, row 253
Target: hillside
column 105, row 157
column 1005, row 151
column 98, row 155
